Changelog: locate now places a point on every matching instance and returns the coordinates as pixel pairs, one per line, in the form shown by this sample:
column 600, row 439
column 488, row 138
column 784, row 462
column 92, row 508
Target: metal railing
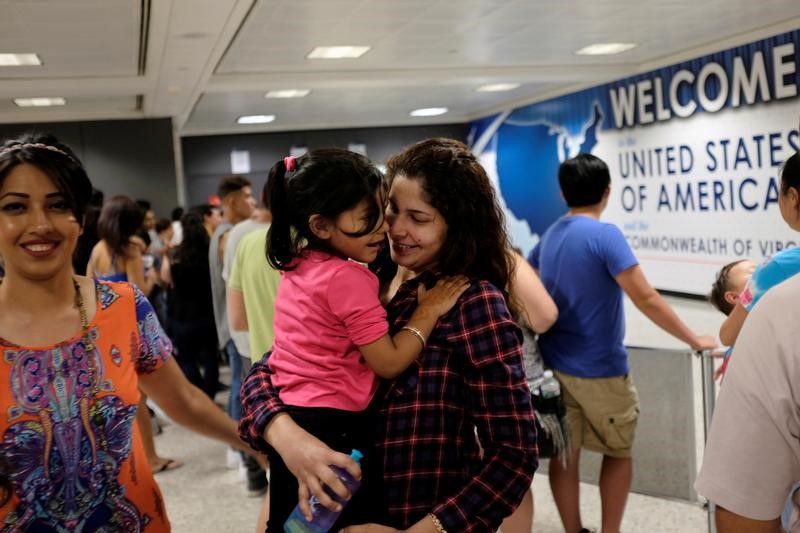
column 709, row 398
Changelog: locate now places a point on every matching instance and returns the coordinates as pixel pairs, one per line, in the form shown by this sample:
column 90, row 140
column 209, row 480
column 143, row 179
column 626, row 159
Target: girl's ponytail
column 324, row 182
column 280, row 248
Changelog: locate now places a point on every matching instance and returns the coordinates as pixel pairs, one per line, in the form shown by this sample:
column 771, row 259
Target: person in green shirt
column 252, row 287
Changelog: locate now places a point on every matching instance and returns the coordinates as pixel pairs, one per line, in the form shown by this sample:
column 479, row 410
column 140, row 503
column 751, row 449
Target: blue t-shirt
column 772, row 271
column 578, row 258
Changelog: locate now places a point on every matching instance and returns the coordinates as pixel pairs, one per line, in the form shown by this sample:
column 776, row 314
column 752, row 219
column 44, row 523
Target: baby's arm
column 733, row 325
column 389, row 356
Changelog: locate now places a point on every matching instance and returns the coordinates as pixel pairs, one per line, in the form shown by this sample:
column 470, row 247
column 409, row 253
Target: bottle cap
column 356, row 456
column 548, row 374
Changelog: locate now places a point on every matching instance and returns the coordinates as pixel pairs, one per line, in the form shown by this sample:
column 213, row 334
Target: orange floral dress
column 67, row 424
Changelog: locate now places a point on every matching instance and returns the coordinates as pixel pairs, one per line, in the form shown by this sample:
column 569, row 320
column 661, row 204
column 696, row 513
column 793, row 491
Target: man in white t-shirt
column 752, row 458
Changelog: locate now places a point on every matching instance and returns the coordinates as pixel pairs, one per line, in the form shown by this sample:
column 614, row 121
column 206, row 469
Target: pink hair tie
column 290, row 162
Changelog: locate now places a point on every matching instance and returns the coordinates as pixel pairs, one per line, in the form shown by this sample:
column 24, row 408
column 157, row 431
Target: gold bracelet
column 417, row 333
column 438, row 525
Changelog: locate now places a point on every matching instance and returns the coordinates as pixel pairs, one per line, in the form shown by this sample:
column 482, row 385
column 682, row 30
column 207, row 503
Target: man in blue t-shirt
column 586, row 265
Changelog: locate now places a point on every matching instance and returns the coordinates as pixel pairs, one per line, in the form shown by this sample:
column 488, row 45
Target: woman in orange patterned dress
column 74, row 353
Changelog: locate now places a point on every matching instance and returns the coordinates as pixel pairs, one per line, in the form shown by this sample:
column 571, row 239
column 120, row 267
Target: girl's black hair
column 193, row 249
column 324, row 182
column 57, row 160
column 120, row 219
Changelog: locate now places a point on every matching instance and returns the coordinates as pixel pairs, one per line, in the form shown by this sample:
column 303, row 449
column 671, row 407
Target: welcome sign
column 694, row 149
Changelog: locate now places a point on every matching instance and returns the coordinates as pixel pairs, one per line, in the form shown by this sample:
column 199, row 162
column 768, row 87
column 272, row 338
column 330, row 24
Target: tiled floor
column 643, row 513
column 203, row 496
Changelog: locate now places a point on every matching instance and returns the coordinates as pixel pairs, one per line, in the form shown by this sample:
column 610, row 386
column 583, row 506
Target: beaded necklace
column 79, row 303
column 87, row 338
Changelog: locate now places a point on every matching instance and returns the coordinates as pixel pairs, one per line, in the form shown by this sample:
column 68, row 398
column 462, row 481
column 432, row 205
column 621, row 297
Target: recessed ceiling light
column 18, row 60
column 39, row 102
column 255, row 119
column 338, row 52
column 605, row 49
column 287, row 93
column 497, row 87
column 429, row 112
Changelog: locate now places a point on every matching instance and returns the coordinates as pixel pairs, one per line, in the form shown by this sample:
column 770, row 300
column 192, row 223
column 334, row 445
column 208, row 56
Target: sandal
column 169, row 464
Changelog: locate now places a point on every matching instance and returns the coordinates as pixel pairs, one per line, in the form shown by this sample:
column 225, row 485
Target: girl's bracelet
column 417, row 333
column 436, row 523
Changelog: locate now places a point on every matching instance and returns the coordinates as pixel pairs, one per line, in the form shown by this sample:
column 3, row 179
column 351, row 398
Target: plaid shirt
column 469, row 376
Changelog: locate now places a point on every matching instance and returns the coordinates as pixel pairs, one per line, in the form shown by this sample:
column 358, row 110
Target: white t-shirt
column 753, row 454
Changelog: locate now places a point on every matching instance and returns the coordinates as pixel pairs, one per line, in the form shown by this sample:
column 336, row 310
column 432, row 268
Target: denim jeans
column 235, row 362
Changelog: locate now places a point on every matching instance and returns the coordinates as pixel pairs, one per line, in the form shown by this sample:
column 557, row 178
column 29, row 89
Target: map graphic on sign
column 523, row 157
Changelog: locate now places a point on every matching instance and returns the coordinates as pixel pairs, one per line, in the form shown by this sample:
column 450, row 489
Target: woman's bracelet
column 436, row 523
column 417, row 333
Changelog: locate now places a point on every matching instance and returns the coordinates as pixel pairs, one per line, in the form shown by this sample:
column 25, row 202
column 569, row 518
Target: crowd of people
column 358, row 310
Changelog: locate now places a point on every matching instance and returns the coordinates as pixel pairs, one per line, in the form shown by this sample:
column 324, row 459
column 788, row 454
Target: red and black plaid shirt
column 469, row 376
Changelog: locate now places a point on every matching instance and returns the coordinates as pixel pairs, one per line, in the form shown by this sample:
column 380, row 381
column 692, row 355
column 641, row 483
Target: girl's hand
column 443, row 296
column 309, row 460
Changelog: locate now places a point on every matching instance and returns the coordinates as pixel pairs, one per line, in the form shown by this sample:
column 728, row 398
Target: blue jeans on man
column 235, row 362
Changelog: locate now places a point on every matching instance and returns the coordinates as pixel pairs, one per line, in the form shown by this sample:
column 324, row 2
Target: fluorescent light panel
column 255, row 119
column 39, row 102
column 429, row 112
column 497, row 87
column 287, row 93
column 605, row 49
column 19, row 60
column 338, row 52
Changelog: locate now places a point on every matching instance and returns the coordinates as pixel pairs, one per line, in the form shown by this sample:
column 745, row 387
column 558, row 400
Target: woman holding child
column 466, row 387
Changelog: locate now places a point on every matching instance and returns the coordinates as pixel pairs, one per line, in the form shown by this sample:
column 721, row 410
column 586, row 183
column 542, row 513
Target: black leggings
column 196, row 341
column 343, row 431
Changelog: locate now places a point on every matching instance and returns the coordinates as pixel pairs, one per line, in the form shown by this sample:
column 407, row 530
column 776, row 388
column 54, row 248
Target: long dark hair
column 120, row 219
column 456, row 184
column 324, row 182
column 57, row 160
column 193, row 249
column 89, row 237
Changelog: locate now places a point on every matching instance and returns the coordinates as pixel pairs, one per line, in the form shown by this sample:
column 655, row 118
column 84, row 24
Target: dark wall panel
column 207, row 159
column 131, row 157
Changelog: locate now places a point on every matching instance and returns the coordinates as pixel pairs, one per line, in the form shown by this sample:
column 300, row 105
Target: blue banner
column 694, row 148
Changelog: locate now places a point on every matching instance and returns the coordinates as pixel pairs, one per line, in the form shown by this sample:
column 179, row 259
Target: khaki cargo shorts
column 602, row 413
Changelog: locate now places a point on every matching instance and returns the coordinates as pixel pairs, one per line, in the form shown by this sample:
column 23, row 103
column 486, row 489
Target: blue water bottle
column 324, row 518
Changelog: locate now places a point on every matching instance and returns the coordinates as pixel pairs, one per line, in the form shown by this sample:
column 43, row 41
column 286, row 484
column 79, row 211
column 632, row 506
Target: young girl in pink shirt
column 332, row 339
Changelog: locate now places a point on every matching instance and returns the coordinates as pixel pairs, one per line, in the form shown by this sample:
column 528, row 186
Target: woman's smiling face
column 38, row 231
column 417, row 230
